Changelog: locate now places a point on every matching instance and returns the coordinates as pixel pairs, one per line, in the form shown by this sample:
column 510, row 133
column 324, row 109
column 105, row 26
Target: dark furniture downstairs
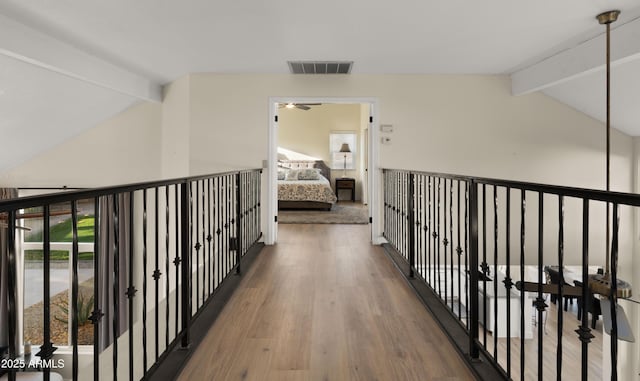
column 346, row 183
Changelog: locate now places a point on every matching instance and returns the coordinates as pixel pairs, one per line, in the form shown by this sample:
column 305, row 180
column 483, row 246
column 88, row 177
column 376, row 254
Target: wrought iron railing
column 477, row 251
column 162, row 253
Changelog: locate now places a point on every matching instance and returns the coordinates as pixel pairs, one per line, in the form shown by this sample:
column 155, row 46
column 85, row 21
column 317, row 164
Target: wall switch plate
column 265, row 163
column 385, row 140
column 387, row 128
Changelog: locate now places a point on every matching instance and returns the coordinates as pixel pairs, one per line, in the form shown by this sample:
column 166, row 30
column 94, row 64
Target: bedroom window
column 342, row 146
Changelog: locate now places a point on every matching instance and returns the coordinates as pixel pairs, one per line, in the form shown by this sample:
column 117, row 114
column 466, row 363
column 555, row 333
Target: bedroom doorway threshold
column 372, row 177
column 346, row 213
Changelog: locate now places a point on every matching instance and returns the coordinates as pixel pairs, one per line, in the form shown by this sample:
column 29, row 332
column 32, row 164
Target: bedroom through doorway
column 322, row 162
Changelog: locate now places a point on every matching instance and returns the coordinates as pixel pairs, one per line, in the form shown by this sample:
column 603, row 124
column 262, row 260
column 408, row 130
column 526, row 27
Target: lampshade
column 345, row 147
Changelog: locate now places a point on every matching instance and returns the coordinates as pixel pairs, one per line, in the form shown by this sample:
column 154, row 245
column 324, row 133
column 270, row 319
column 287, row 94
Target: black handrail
column 60, row 197
column 623, row 198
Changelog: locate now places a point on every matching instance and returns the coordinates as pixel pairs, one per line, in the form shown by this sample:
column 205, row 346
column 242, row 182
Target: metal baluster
column 584, row 332
column 238, row 237
column 508, row 282
column 12, row 289
column 466, row 246
column 211, row 257
column 438, row 268
column 96, row 314
column 185, row 251
column 523, row 205
column 156, row 275
column 459, row 252
column 424, row 234
column 614, row 292
column 177, row 258
column 495, row 272
column 45, row 351
column 145, row 245
column 204, row 240
column 74, row 289
column 131, row 291
column 484, row 265
column 541, row 305
column 394, row 196
column 451, row 278
column 431, row 252
column 405, row 214
column 411, row 224
column 197, row 245
column 166, row 265
column 418, row 222
column 474, row 351
column 116, row 283
column 219, row 231
column 560, row 285
column 445, row 243
column 225, row 270
column 258, row 188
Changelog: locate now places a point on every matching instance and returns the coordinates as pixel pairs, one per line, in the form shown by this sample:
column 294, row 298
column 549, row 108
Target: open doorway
column 328, row 136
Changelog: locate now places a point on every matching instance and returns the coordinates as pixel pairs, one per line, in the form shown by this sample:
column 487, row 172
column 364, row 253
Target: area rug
column 339, row 214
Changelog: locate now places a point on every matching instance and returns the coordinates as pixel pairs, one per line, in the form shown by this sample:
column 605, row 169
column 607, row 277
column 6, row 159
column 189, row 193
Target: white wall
column 123, row 149
column 308, row 132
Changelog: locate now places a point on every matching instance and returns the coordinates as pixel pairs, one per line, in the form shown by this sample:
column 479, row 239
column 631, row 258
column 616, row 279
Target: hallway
column 324, row 304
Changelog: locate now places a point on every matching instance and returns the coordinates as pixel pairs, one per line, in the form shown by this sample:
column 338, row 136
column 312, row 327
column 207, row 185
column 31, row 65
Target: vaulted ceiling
column 67, row 65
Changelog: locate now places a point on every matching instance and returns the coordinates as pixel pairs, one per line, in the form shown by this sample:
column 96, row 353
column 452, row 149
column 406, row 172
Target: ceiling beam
column 28, row 45
column 583, row 59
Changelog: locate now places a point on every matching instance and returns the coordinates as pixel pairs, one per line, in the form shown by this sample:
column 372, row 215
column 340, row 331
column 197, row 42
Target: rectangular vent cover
column 320, row 67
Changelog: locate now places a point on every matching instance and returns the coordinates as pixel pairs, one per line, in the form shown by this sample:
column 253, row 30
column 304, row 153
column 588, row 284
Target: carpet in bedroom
column 340, row 213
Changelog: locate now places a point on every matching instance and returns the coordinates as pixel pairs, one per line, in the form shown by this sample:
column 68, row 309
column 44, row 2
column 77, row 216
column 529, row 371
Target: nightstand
column 346, row 183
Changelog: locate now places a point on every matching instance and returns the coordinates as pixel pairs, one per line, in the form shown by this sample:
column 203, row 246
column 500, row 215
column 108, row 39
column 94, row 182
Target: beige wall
column 307, row 132
column 123, row 149
column 458, row 124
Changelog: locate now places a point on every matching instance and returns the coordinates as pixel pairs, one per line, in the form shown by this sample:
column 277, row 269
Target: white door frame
column 373, row 178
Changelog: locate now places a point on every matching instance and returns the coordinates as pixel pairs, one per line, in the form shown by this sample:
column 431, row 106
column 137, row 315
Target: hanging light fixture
column 601, row 283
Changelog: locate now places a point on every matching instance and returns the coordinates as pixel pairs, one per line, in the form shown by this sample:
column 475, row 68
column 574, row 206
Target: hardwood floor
column 324, row 304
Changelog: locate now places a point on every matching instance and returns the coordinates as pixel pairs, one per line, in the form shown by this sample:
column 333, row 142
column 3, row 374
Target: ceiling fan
column 601, row 284
column 301, row 106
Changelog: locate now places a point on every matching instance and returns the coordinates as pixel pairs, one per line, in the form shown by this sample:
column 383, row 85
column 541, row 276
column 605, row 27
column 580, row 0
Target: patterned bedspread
column 306, row 190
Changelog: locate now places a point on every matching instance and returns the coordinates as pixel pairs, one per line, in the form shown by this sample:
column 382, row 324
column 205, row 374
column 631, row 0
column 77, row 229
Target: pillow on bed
column 291, row 175
column 309, row 174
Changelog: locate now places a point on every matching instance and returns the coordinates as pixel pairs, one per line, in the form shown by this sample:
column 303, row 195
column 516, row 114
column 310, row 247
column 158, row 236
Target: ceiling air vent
column 320, row 67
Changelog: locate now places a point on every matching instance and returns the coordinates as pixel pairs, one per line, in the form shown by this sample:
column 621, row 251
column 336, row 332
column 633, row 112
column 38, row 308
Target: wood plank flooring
column 324, row 304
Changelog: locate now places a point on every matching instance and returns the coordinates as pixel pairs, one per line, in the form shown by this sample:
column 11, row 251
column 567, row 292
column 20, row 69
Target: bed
column 304, row 184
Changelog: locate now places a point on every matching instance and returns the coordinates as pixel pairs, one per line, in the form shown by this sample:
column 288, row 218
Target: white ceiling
column 142, row 44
